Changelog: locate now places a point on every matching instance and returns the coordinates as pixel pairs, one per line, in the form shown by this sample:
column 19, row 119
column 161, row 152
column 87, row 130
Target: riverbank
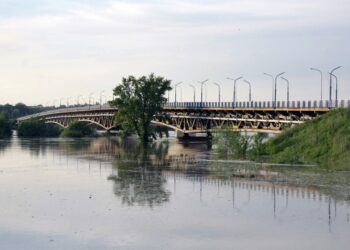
column 324, row 141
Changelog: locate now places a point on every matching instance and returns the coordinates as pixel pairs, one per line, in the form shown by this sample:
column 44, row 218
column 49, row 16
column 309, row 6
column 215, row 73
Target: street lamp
column 78, row 99
column 336, row 89
column 330, row 84
column 278, row 75
column 272, row 83
column 250, row 90
column 234, row 88
column 218, row 85
column 194, row 92
column 68, row 101
column 61, row 101
column 287, row 90
column 177, row 84
column 202, row 82
column 314, row 69
column 101, row 98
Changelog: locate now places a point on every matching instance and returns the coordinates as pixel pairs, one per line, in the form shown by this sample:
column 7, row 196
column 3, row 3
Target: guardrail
column 64, row 110
column 253, row 104
column 262, row 104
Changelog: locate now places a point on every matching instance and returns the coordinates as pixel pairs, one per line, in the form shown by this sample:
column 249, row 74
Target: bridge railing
column 262, row 104
column 65, row 110
column 252, row 104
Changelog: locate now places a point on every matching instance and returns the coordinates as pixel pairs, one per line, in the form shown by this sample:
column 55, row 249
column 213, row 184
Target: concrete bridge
column 205, row 117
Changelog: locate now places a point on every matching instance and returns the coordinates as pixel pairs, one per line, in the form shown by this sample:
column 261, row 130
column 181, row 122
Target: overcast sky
column 54, row 49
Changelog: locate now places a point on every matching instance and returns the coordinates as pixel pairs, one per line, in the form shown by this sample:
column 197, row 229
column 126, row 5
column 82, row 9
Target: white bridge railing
column 262, row 104
column 253, row 104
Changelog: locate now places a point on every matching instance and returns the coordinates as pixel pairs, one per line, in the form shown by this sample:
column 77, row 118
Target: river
column 102, row 193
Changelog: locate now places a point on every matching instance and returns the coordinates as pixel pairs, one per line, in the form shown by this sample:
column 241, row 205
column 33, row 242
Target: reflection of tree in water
column 4, row 144
column 139, row 179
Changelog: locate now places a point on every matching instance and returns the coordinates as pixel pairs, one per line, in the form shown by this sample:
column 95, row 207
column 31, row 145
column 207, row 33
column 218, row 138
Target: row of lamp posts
column 274, row 87
column 78, row 99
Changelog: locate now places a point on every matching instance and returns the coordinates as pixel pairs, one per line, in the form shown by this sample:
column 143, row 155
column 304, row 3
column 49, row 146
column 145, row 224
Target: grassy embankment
column 324, row 141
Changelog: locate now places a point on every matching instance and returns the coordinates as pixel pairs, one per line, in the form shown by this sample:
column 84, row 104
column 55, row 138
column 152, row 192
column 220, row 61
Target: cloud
column 82, row 45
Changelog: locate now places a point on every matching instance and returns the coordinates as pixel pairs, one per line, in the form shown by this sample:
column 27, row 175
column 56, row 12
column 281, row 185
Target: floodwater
column 105, row 194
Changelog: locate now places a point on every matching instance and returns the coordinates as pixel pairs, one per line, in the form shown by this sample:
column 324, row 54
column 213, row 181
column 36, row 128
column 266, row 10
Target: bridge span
column 196, row 117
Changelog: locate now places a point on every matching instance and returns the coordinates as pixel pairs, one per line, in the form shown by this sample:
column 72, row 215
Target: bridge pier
column 193, row 136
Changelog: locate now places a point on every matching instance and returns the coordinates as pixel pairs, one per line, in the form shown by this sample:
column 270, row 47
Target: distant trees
column 138, row 100
column 20, row 109
column 5, row 126
column 37, row 128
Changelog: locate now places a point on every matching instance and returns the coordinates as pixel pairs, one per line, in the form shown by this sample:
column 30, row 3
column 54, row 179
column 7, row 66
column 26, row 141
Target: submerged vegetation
column 138, row 100
column 324, row 141
column 5, row 126
column 77, row 130
column 37, row 128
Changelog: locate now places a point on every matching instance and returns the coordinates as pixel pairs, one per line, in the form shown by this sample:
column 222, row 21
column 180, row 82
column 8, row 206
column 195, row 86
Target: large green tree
column 138, row 100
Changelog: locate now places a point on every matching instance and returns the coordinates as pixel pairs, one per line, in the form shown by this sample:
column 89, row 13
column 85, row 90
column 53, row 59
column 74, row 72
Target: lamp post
column 234, row 88
column 68, row 101
column 266, row 74
column 101, row 98
column 194, row 92
column 314, row 69
column 336, row 89
column 61, row 101
column 91, row 94
column 78, row 99
column 180, row 93
column 202, row 82
column 250, row 90
column 286, row 80
column 177, row 84
column 278, row 75
column 218, row 85
column 330, row 84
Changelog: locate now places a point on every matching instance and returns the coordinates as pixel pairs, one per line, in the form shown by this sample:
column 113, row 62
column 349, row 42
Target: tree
column 37, row 128
column 138, row 100
column 5, row 126
column 77, row 129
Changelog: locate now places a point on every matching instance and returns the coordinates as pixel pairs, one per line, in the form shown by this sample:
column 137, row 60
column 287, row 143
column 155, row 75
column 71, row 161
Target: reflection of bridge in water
column 203, row 117
column 173, row 170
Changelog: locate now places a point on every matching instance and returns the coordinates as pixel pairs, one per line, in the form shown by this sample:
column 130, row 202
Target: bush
column 77, row 129
column 232, row 144
column 37, row 128
column 5, row 126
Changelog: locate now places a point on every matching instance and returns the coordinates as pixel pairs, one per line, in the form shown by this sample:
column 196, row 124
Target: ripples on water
column 106, row 194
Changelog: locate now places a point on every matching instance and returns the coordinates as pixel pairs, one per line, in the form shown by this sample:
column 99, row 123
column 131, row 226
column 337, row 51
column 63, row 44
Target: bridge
column 204, row 117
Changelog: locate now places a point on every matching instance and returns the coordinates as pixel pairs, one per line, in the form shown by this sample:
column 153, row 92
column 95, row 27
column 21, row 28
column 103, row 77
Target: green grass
column 324, row 141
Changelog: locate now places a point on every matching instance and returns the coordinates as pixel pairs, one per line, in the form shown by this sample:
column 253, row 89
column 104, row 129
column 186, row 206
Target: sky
column 54, row 50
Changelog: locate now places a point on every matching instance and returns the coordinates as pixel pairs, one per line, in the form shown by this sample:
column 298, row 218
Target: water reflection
column 4, row 144
column 81, row 188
